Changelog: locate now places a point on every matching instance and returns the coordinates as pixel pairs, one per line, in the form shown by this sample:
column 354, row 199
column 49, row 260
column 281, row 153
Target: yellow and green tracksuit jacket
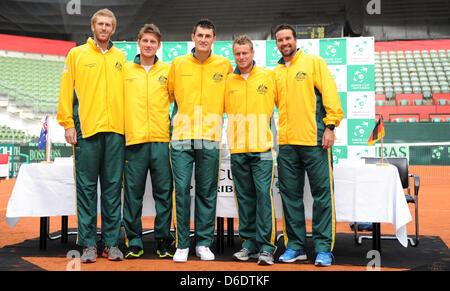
column 146, row 102
column 197, row 90
column 249, row 106
column 307, row 100
column 91, row 93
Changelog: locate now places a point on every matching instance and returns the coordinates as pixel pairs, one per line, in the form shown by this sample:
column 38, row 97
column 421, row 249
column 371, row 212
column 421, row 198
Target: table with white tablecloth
column 362, row 192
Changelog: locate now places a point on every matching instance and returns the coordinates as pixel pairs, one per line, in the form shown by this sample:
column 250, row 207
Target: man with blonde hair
column 91, row 111
column 147, row 144
column 250, row 94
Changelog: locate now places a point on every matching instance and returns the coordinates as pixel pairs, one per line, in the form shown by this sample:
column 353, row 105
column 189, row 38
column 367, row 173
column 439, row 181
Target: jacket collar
column 137, row 59
column 193, row 55
column 297, row 55
column 92, row 42
column 238, row 72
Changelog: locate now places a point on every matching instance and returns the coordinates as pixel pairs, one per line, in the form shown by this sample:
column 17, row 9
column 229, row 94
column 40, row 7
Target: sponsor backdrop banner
column 351, row 63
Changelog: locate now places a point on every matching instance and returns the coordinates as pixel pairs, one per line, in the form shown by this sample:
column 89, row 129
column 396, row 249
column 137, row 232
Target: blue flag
column 43, row 136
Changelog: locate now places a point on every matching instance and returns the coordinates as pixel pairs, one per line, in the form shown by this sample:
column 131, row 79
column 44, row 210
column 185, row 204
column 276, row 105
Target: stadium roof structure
column 384, row 19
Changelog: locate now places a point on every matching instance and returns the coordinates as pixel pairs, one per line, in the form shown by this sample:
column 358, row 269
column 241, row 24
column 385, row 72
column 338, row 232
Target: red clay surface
column 434, row 210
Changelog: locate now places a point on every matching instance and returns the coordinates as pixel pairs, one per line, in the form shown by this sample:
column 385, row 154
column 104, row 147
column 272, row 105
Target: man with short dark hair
column 196, row 82
column 147, row 144
column 309, row 109
column 91, row 111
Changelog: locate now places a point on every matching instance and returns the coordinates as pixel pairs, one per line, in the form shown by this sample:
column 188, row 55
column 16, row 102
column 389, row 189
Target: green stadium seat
column 30, row 79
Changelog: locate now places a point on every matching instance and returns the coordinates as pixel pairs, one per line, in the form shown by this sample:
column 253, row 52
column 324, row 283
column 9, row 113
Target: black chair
column 402, row 165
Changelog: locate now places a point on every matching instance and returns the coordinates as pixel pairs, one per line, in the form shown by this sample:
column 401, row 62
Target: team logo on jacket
column 118, row 66
column 217, row 77
column 262, row 89
column 300, row 76
column 162, row 80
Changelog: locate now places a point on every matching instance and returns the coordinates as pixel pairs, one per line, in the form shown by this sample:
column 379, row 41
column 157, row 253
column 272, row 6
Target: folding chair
column 402, row 165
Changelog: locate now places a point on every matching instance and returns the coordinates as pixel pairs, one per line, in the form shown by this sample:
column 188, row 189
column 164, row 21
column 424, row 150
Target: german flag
column 378, row 132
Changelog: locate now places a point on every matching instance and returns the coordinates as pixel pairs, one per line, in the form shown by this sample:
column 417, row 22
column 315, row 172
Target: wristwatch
column 331, row 126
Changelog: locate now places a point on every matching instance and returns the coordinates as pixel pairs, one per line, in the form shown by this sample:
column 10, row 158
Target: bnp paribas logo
column 172, row 50
column 360, row 78
column 334, row 51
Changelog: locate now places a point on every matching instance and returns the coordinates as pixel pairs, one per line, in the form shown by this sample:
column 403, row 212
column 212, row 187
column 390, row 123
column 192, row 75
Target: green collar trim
column 193, row 53
column 110, row 43
column 238, row 72
column 137, row 59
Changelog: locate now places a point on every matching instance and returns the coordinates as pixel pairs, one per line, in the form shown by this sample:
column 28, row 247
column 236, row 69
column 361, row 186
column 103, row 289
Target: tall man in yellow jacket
column 147, row 143
column 196, row 82
column 250, row 95
column 91, row 111
column 309, row 109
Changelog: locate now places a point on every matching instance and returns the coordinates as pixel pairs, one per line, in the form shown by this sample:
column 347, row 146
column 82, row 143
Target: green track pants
column 293, row 161
column 206, row 157
column 253, row 180
column 139, row 159
column 99, row 156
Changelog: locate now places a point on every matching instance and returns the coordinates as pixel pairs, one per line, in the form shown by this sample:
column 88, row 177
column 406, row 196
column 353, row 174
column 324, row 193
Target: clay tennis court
column 19, row 247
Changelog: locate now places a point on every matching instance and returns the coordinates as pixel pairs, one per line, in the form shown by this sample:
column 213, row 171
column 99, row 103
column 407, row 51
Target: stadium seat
column 30, row 80
column 411, row 118
column 423, row 110
column 386, row 111
column 380, row 99
column 441, row 98
column 408, row 99
column 426, row 92
column 439, row 117
column 424, row 72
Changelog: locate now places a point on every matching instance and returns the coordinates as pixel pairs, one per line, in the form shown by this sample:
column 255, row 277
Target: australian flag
column 43, row 136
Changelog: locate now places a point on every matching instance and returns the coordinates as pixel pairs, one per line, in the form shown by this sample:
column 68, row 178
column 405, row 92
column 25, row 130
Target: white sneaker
column 204, row 253
column 181, row 255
